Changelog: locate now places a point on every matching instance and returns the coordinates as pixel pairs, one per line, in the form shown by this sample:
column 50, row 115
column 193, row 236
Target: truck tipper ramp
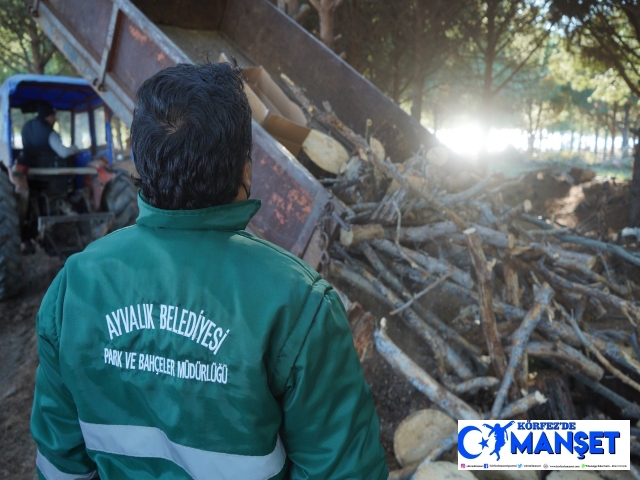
column 117, row 44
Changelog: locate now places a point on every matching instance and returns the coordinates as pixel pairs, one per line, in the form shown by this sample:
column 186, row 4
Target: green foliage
column 24, row 48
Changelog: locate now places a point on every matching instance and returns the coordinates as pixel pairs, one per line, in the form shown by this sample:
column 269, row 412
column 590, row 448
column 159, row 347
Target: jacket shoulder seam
column 297, row 323
column 307, row 269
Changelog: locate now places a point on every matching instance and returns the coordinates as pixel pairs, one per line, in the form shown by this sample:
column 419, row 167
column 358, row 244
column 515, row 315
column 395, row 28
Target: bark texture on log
column 430, row 264
column 484, row 277
column 512, row 284
column 420, row 379
column 566, row 358
column 519, row 344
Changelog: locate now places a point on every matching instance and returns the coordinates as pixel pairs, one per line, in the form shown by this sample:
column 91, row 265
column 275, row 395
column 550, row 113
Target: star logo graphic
column 484, row 443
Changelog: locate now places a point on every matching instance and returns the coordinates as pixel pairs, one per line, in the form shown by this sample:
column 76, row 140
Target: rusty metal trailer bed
column 117, row 44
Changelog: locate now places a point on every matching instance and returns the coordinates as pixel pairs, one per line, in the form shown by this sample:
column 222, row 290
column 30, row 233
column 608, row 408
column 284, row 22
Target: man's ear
column 247, row 175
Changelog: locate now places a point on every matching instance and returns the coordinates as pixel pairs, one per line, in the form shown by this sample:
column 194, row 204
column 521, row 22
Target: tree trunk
column 613, row 146
column 396, row 79
column 595, row 147
column 418, row 65
column 613, row 131
column 604, row 149
column 634, row 190
column 326, row 9
column 531, row 138
column 581, row 134
column 571, row 141
column 37, row 65
column 625, row 130
column 487, row 87
column 538, row 126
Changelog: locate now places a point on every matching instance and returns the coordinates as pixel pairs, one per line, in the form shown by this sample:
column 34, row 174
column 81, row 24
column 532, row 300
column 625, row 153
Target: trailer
column 117, row 44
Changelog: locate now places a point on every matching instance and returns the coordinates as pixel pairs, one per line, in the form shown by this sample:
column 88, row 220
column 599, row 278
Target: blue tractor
column 62, row 204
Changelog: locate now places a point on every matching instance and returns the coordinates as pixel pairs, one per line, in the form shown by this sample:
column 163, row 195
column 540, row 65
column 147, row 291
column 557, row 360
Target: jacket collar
column 232, row 216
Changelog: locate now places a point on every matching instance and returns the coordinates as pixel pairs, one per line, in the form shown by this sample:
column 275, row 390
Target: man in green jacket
column 185, row 347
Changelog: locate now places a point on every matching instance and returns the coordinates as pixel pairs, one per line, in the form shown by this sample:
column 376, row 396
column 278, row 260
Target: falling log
column 519, row 344
column 484, row 277
column 420, row 379
column 360, row 233
column 566, row 358
column 327, row 118
column 430, row 264
column 424, row 233
column 325, row 152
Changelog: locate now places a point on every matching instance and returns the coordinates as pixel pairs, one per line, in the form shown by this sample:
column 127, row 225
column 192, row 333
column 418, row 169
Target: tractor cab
column 61, row 203
column 83, row 119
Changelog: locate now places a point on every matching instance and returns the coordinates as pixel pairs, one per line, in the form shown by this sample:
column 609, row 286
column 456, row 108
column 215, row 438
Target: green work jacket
column 185, row 347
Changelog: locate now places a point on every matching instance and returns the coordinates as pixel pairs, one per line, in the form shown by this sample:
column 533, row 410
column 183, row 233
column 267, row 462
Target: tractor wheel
column 10, row 257
column 120, row 196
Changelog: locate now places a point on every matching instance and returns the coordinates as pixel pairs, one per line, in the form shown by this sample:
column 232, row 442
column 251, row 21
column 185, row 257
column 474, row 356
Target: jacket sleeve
column 55, row 142
column 330, row 427
column 54, row 419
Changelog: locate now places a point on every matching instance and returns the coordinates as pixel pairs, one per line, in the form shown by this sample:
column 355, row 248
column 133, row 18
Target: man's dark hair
column 45, row 109
column 191, row 136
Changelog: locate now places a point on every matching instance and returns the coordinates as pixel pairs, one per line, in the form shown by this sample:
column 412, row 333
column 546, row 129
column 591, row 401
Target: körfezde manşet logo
column 567, row 445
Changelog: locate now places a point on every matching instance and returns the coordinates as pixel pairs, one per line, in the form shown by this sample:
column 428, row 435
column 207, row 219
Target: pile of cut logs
column 542, row 294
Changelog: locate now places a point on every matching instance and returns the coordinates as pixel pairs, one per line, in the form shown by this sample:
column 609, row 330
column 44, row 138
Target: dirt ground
column 18, row 362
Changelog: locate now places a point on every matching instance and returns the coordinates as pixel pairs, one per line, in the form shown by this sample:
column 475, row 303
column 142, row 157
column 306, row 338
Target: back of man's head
column 45, row 110
column 191, row 136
